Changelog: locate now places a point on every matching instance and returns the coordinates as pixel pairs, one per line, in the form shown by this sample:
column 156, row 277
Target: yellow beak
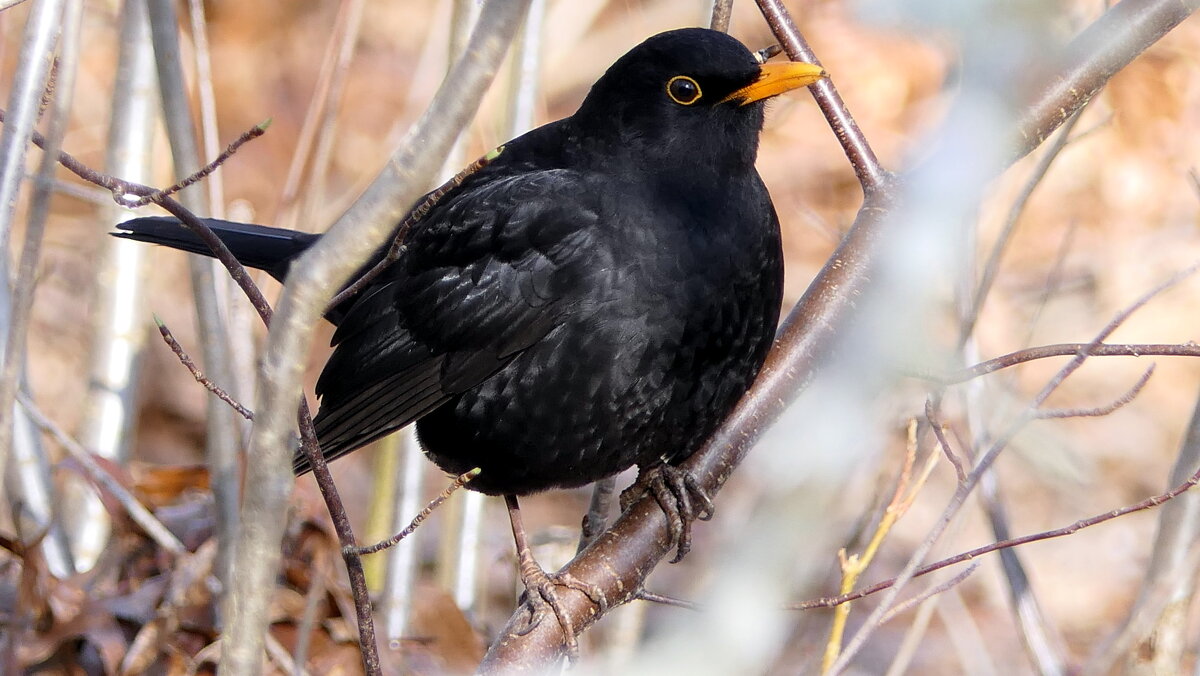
column 777, row 78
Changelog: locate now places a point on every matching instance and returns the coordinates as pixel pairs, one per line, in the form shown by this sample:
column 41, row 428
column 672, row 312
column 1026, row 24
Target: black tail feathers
column 255, row 246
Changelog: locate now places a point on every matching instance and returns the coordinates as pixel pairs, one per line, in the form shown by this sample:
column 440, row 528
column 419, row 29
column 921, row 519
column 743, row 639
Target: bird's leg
column 673, row 489
column 539, row 586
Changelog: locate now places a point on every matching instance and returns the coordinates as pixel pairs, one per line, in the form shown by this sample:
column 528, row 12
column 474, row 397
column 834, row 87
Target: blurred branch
column 984, row 463
column 307, row 170
column 722, row 12
column 992, row 266
column 317, row 275
column 1157, row 622
column 1070, row 350
column 136, row 511
column 620, row 559
column 24, row 103
column 29, row 481
column 1104, row 48
column 118, row 291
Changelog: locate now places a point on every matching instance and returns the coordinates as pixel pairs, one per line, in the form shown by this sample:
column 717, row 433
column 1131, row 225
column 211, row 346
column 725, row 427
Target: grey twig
column 137, row 512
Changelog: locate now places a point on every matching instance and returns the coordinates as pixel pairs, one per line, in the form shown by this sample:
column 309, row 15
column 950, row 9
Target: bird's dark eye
column 683, row 90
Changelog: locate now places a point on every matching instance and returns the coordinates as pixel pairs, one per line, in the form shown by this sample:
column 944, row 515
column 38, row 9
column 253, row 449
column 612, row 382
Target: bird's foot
column 674, row 490
column 542, row 597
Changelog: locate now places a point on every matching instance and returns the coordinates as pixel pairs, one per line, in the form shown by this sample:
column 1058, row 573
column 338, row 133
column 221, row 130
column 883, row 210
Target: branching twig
column 1096, row 520
column 854, row 565
column 156, row 196
column 985, row 462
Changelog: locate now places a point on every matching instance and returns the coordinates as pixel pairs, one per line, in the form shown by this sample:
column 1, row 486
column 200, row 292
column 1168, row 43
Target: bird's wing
column 486, row 274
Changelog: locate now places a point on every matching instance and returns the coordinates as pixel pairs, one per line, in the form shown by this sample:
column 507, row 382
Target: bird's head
column 688, row 96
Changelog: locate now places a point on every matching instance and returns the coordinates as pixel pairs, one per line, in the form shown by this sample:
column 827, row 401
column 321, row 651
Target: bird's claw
column 542, row 597
column 674, row 490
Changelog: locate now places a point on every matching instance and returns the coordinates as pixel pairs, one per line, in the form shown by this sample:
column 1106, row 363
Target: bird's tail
column 255, row 246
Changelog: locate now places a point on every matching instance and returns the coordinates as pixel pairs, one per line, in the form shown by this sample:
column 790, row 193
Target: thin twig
column 932, row 405
column 459, row 481
column 1067, row 350
column 903, row 607
column 1148, row 503
column 137, row 512
column 156, row 196
column 418, row 212
column 120, row 189
column 992, row 267
column 1099, row 411
column 985, row 462
column 186, row 360
column 663, row 599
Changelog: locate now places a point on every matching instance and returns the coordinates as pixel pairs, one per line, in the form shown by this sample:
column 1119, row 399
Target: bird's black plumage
column 597, row 296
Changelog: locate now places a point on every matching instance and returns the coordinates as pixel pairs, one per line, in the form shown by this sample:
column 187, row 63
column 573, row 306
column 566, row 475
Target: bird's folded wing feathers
column 483, row 278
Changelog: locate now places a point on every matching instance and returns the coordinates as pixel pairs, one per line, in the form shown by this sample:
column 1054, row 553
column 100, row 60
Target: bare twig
column 1067, row 350
column 459, row 481
column 663, row 599
column 202, row 173
column 985, row 462
column 871, row 174
column 932, row 406
column 137, row 512
column 1148, row 503
column 204, row 380
column 854, row 565
column 1100, row 411
column 905, row 606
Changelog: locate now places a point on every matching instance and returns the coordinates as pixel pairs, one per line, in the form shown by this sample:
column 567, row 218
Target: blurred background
column 1115, row 214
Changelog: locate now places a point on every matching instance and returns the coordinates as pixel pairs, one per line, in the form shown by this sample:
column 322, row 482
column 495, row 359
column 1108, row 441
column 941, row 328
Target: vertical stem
column 118, row 322
column 221, row 437
column 722, row 12
column 29, row 81
column 402, row 559
column 28, row 476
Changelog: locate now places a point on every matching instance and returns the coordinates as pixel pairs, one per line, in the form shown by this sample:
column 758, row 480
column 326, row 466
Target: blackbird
column 597, row 295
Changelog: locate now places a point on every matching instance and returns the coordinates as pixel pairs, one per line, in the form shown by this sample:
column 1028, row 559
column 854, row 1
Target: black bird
column 599, row 295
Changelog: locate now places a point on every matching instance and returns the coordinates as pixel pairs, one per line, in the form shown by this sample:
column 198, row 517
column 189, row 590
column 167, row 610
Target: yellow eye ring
column 683, row 90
